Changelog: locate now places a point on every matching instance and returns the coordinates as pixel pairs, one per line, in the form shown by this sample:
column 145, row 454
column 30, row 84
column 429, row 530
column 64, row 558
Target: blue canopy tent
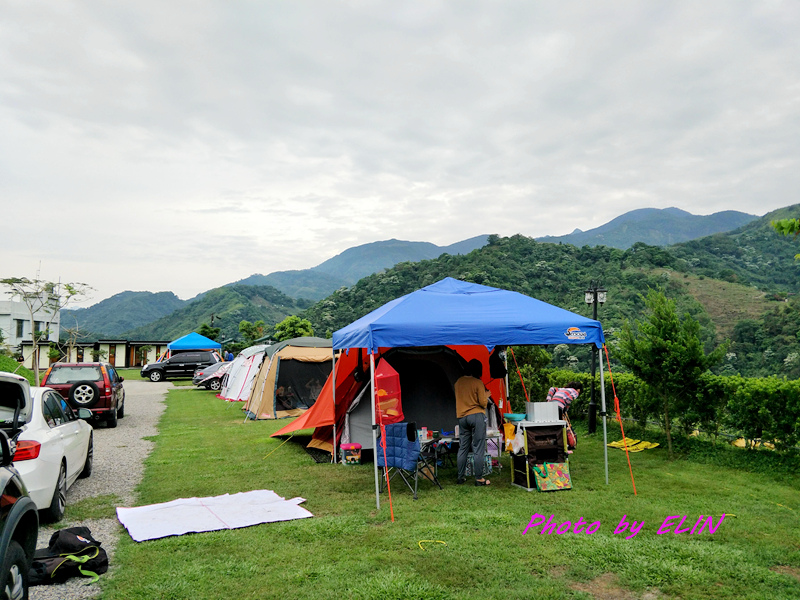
column 457, row 313
column 193, row 341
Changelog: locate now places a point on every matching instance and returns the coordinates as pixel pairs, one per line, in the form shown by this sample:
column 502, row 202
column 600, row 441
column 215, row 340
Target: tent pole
column 374, row 430
column 334, row 458
column 603, row 409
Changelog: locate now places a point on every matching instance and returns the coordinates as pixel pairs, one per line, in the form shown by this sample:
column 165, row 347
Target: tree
column 666, row 353
column 292, row 327
column 210, row 332
column 251, row 331
column 788, row 227
column 46, row 298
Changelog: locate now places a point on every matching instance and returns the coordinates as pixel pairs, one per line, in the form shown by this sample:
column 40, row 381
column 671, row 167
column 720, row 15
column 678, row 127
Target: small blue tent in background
column 193, row 341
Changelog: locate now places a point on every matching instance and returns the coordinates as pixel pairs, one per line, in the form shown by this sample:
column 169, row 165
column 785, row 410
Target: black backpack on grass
column 72, row 552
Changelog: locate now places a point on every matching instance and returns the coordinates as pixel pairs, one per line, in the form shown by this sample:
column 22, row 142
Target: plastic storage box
column 542, row 412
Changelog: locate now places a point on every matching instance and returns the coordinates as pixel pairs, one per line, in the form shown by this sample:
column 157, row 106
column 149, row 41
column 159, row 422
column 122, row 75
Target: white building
column 16, row 325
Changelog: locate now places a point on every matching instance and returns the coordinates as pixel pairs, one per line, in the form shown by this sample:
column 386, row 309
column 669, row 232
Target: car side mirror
column 6, row 449
column 121, row 379
column 84, row 413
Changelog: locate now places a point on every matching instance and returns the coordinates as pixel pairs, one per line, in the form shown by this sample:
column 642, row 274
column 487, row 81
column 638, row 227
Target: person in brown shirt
column 471, row 400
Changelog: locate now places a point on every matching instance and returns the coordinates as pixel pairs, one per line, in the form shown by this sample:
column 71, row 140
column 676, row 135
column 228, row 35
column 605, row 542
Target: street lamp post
column 596, row 294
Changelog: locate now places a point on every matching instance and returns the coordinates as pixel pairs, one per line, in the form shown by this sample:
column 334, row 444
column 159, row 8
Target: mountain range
column 354, row 263
column 654, row 227
column 278, row 294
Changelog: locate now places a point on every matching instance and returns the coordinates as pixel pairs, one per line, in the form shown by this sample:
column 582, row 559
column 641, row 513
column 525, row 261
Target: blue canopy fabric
column 456, row 313
column 194, row 341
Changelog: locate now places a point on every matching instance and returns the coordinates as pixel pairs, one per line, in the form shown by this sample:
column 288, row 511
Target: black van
column 179, row 365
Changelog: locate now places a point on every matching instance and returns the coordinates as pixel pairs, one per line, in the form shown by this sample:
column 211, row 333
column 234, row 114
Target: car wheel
column 84, row 394
column 15, row 573
column 87, row 466
column 111, row 421
column 121, row 409
column 214, row 385
column 156, row 376
column 58, row 505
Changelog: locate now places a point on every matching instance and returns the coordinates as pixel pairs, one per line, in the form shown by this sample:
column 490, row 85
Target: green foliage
column 251, row 331
column 767, row 409
column 211, row 333
column 532, row 362
column 769, row 345
column 665, row 352
column 788, row 227
column 753, row 252
column 293, row 327
column 10, row 365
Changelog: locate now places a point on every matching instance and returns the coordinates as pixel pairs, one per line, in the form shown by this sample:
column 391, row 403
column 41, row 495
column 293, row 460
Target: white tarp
column 194, row 515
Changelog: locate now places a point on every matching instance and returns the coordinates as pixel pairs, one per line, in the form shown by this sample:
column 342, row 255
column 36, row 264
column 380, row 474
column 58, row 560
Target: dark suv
column 178, row 365
column 19, row 520
column 96, row 386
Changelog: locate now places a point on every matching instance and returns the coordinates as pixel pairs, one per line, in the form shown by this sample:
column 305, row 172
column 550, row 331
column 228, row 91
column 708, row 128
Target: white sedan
column 53, row 450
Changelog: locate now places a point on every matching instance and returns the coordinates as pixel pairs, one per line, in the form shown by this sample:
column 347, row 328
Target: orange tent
column 427, row 376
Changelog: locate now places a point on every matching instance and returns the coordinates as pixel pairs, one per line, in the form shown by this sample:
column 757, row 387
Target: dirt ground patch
column 605, row 587
column 787, row 570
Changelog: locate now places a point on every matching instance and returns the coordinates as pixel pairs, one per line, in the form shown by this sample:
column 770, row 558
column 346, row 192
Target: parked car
column 93, row 385
column 183, row 364
column 210, row 377
column 54, row 448
column 19, row 520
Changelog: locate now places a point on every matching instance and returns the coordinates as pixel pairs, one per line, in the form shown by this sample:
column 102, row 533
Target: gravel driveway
column 118, row 468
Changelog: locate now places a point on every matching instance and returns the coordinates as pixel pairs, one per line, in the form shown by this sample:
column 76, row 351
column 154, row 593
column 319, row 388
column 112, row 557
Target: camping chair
column 403, row 456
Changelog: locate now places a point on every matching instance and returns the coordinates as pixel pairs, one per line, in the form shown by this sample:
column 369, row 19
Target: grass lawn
column 133, row 373
column 350, row 550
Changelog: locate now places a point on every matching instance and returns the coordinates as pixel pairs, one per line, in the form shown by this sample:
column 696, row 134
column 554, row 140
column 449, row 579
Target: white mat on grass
column 193, row 515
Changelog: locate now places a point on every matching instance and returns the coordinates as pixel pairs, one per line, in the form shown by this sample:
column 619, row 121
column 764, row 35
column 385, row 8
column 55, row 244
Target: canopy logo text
column 575, row 333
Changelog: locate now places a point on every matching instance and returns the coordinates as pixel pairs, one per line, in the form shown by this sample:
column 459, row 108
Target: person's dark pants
column 471, row 437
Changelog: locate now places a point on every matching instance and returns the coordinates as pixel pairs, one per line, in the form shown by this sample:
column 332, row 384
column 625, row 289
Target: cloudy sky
column 180, row 146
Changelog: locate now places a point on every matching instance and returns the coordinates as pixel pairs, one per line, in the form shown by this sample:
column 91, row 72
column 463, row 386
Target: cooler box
column 351, row 454
column 542, row 412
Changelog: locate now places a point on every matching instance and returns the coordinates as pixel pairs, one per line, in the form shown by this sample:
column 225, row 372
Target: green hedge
column 765, row 408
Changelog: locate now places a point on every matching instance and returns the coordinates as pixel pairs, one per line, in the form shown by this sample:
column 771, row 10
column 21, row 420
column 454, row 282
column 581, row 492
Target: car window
column 112, row 373
column 51, row 409
column 74, row 374
column 66, row 409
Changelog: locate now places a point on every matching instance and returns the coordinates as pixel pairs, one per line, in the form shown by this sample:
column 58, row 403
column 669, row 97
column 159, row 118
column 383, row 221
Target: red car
column 96, row 386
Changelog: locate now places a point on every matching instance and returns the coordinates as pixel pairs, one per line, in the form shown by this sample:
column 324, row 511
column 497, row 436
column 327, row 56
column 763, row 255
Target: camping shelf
column 544, row 442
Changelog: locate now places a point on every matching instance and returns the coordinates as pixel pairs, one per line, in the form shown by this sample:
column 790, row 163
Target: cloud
column 279, row 134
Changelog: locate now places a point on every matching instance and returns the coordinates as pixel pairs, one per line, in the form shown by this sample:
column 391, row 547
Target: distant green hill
column 655, row 227
column 306, row 283
column 753, row 254
column 121, row 312
column 229, row 305
column 354, row 263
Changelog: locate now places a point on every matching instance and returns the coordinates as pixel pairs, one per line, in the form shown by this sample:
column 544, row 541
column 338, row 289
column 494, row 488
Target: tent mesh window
column 299, row 383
